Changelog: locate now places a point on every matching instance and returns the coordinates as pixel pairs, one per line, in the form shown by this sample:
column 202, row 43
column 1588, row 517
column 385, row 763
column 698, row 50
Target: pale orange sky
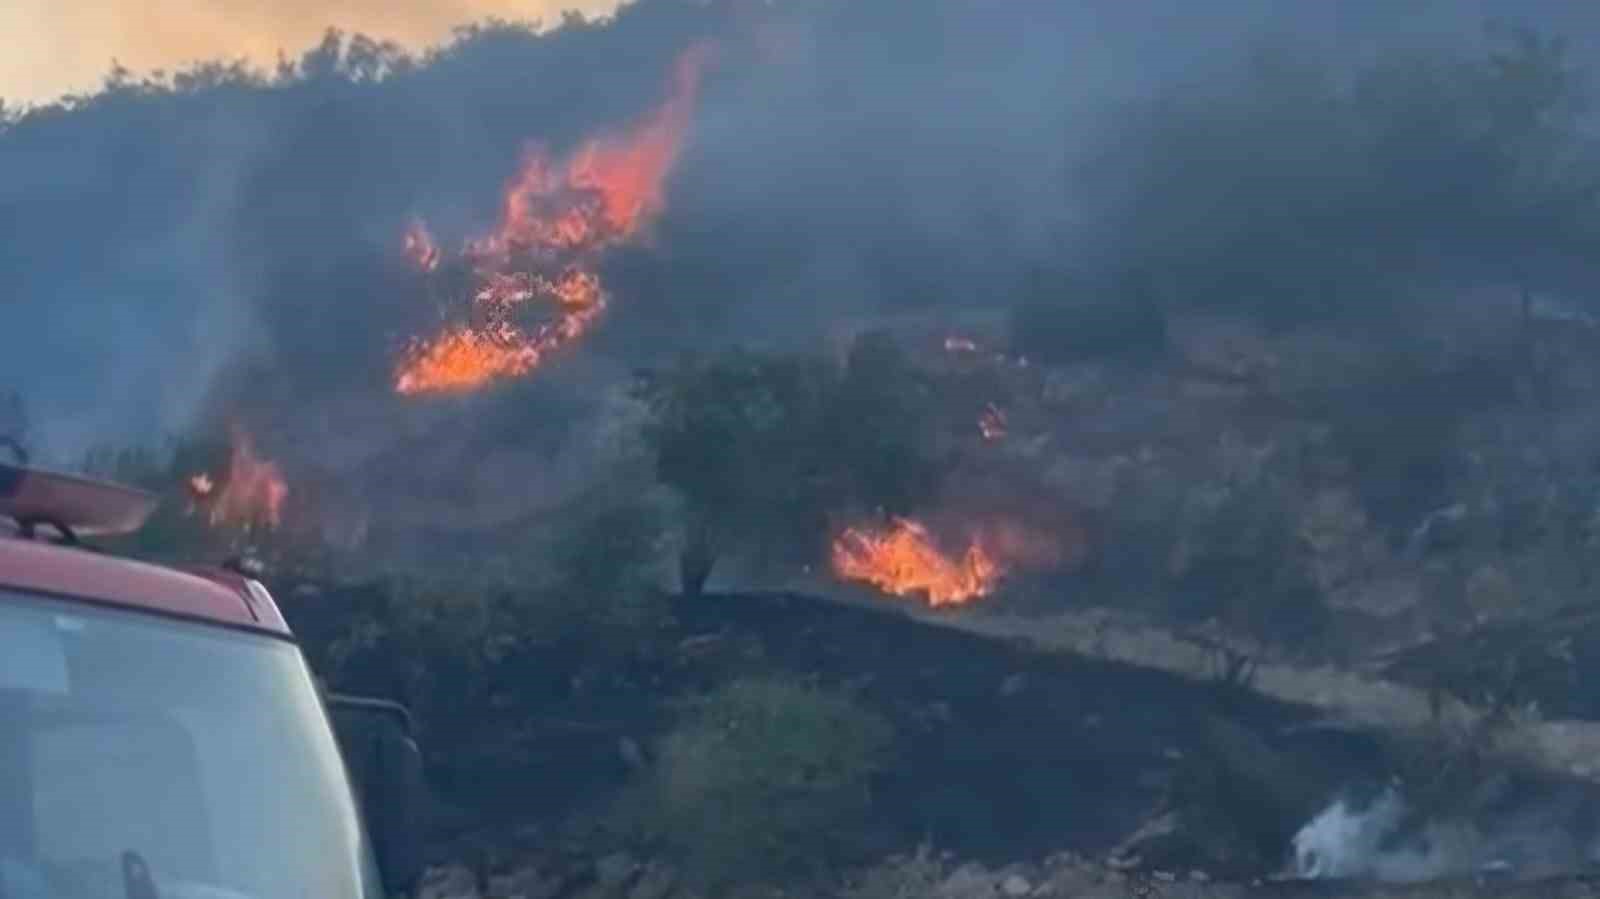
column 54, row 47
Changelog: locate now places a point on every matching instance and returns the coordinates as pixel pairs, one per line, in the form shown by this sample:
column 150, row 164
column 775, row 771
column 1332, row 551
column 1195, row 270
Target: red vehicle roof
column 214, row 595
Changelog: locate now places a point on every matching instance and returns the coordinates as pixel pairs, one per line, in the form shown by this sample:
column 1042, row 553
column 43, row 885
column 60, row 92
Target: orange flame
column 905, row 560
column 629, row 174
column 555, row 221
column 253, row 491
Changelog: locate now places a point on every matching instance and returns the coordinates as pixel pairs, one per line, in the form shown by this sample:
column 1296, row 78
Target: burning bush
column 763, row 777
column 557, row 220
column 905, row 559
column 765, row 448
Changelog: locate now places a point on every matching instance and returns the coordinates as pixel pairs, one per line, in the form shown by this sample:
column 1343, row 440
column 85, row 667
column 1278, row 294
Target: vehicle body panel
column 217, row 596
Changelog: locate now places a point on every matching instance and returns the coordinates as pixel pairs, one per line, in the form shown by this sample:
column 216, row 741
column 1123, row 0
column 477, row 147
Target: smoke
column 63, row 46
column 845, row 159
column 1344, row 842
column 1522, row 833
column 124, row 306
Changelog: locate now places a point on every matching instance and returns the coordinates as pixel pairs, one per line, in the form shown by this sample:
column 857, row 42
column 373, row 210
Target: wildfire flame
column 252, row 492
column 556, row 220
column 904, row 559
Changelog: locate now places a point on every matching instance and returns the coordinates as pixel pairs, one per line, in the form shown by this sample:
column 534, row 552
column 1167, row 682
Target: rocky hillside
column 926, row 876
column 1328, row 493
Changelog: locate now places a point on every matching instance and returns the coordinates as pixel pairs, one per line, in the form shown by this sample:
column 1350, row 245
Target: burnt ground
column 1003, row 752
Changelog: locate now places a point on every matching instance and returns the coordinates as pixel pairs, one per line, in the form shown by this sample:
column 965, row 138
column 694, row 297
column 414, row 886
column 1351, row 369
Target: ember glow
column 420, row 248
column 904, row 559
column 251, row 493
column 556, row 221
column 201, row 485
column 992, row 423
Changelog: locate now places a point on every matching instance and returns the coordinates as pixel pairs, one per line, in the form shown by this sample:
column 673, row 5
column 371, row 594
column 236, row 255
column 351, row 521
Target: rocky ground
column 928, row 876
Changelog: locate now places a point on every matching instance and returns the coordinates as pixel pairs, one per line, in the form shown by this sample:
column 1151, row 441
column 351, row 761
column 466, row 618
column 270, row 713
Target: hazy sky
column 59, row 46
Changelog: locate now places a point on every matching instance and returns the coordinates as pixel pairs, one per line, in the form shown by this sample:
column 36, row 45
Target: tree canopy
column 764, row 448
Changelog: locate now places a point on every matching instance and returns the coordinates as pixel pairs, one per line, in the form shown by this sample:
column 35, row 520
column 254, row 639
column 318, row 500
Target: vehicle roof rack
column 72, row 506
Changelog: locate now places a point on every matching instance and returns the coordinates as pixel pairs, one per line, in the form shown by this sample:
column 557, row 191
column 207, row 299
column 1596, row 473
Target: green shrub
column 765, row 778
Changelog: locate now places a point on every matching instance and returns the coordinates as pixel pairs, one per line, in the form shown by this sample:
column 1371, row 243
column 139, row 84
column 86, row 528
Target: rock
column 1016, row 886
column 451, row 882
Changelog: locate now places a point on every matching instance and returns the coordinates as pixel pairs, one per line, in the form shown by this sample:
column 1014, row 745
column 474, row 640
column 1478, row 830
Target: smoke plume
column 176, row 250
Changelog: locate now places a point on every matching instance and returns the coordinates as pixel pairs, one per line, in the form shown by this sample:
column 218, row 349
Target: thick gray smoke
column 847, row 157
column 120, row 339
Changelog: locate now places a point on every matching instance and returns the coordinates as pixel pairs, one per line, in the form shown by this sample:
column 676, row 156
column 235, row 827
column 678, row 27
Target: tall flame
column 252, row 492
column 556, row 220
column 903, row 559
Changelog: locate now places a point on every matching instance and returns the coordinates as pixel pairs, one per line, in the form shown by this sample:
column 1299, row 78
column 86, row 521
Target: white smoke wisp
column 1369, row 843
column 1509, row 832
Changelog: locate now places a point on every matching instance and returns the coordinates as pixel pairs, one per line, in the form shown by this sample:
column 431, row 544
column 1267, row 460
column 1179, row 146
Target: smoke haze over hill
column 63, row 46
column 843, row 159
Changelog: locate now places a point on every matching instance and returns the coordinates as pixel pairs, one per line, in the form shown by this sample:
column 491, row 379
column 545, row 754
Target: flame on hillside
column 556, row 220
column 904, row 559
column 250, row 493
